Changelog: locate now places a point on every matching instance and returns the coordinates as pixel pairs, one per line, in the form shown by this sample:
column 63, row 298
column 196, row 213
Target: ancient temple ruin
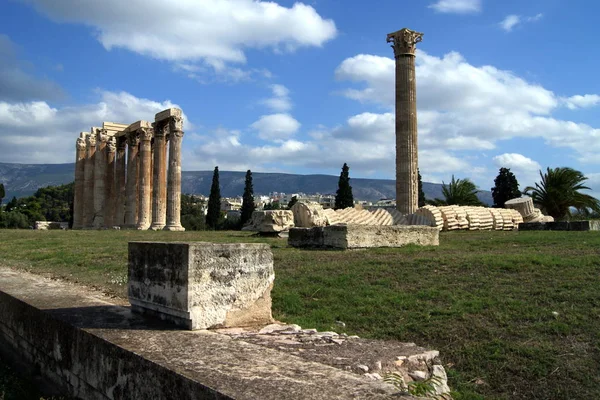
column 404, row 44
column 121, row 175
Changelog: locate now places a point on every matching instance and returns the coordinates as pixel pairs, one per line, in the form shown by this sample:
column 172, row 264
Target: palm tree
column 460, row 192
column 559, row 190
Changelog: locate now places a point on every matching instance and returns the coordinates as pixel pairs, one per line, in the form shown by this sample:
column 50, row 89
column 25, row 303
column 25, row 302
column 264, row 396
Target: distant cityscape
column 231, row 206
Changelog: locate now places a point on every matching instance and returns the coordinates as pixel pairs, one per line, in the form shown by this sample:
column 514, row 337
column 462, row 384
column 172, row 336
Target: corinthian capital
column 133, row 139
column 111, row 145
column 101, row 135
column 404, row 41
column 91, row 140
column 146, row 134
column 80, row 144
column 176, row 123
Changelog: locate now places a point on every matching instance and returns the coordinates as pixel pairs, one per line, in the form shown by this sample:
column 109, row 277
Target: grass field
column 515, row 315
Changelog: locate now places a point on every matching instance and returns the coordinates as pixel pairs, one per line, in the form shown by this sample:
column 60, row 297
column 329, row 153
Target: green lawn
column 514, row 314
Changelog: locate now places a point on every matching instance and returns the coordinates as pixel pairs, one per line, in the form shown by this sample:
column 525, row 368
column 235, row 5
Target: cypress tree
column 248, row 205
column 343, row 196
column 505, row 187
column 2, row 194
column 421, row 192
column 214, row 202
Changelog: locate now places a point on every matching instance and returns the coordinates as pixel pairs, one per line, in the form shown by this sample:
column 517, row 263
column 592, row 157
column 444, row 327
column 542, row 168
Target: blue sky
column 304, row 87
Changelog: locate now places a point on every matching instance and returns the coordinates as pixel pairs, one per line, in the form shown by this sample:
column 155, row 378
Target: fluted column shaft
column 100, row 179
column 145, row 179
column 120, row 171
column 131, row 206
column 407, row 189
column 109, row 210
column 80, row 154
column 88, row 181
column 174, row 175
column 159, row 193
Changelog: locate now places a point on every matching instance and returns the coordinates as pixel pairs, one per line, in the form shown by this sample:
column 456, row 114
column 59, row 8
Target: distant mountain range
column 24, row 179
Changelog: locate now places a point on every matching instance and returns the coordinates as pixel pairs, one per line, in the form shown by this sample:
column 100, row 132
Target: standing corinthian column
column 145, row 176
column 100, row 178
column 159, row 193
column 174, row 173
column 109, row 183
column 88, row 180
column 407, row 191
column 120, row 171
column 131, row 206
column 80, row 148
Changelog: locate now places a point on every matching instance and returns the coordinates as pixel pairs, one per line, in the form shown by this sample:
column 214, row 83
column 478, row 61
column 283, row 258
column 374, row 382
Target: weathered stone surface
column 308, row 214
column 100, row 168
column 159, row 192
column 202, row 285
column 120, row 179
column 168, row 113
column 404, row 44
column 524, row 205
column 455, row 217
column 80, row 154
column 271, row 221
column 433, row 214
column 131, row 204
column 145, row 177
column 88, row 180
column 363, row 236
column 93, row 348
column 110, row 203
column 175, row 123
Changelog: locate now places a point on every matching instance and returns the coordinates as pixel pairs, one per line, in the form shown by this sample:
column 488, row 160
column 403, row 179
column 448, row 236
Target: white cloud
column 35, row 132
column 593, row 182
column 210, row 33
column 579, row 101
column 280, row 100
column 510, row 22
column 525, row 169
column 276, row 127
column 457, row 6
column 513, row 20
column 462, row 106
column 535, row 18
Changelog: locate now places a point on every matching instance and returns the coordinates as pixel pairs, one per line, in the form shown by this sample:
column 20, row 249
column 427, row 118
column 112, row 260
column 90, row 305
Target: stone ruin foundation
column 129, row 176
column 226, row 287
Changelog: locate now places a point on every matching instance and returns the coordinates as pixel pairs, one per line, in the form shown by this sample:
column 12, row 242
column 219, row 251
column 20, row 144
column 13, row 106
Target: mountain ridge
column 22, row 180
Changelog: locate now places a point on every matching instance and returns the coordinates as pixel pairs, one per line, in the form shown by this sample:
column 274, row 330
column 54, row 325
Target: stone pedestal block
column 364, row 236
column 202, row 285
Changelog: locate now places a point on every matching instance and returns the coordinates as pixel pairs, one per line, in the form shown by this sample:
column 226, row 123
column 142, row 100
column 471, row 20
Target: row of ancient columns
column 122, row 179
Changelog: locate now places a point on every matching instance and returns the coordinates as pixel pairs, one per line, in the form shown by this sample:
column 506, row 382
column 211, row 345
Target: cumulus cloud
column 280, row 100
column 579, row 101
column 16, row 83
column 36, row 132
column 457, row 6
column 276, row 127
column 510, row 21
column 211, row 33
column 462, row 106
column 525, row 169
